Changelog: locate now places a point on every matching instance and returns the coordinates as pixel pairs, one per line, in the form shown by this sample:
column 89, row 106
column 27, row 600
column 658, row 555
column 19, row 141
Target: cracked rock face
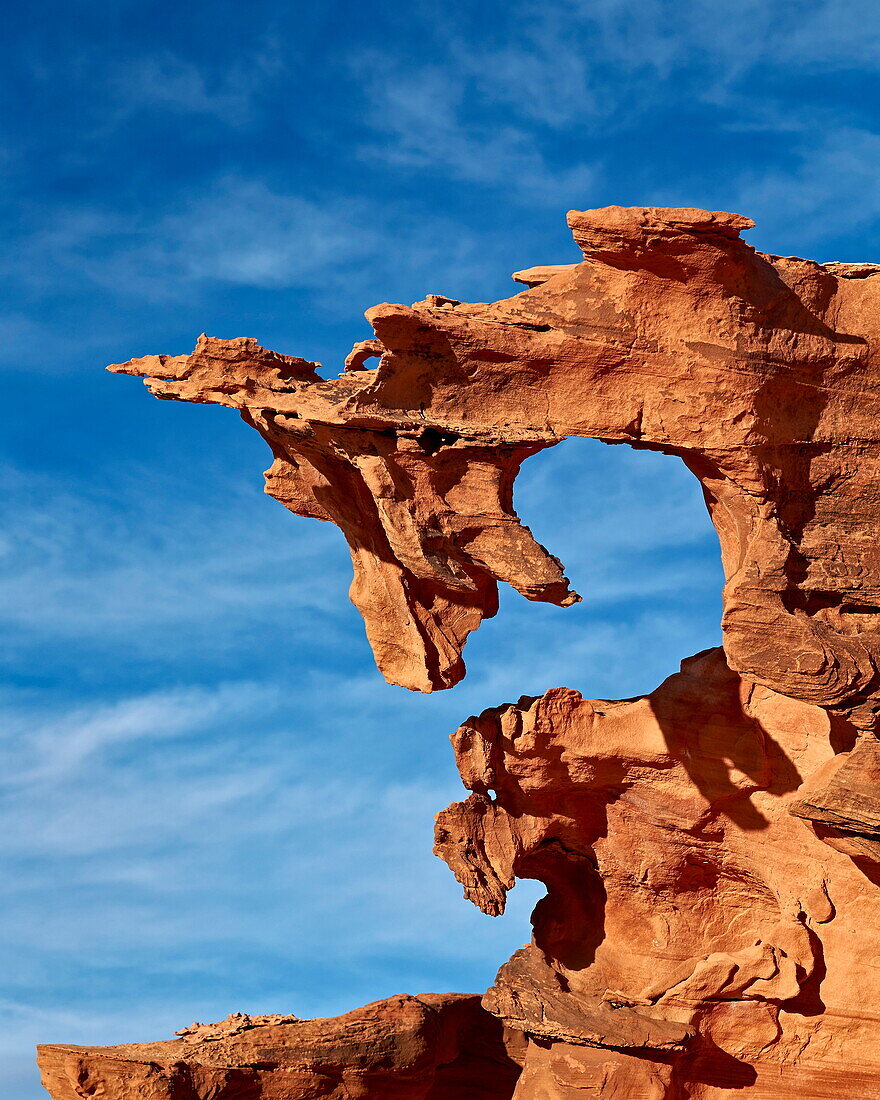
column 711, row 851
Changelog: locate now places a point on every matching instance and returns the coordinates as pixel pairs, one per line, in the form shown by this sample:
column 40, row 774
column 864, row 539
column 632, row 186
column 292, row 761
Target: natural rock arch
column 710, row 850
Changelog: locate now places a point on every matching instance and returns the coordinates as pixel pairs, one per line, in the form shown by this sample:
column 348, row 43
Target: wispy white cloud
column 56, row 747
column 829, row 190
column 230, row 830
column 823, row 36
column 164, row 80
column 236, row 230
column 426, row 120
column 832, row 34
column 243, row 232
column 493, row 113
column 525, row 114
column 91, row 567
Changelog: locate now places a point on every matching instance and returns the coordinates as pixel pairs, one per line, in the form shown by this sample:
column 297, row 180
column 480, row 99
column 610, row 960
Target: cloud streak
column 163, row 80
column 126, row 563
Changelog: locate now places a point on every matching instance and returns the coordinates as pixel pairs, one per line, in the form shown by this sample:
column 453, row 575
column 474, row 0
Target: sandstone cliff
column 711, row 851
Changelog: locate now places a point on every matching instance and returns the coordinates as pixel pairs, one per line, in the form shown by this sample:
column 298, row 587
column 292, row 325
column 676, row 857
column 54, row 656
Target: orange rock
column 759, row 371
column 693, row 929
column 711, row 851
column 430, row 1047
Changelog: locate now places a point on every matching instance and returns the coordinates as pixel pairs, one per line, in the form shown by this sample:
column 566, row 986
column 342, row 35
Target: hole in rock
column 632, row 530
column 431, row 440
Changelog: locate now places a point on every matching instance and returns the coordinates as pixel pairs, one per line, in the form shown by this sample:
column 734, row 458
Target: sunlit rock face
column 696, row 937
column 430, row 1047
column 711, row 851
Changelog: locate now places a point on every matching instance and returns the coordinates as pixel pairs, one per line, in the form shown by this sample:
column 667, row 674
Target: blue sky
column 210, row 801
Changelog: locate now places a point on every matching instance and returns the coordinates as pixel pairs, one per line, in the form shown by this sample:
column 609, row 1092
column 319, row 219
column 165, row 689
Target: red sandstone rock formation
column 431, row 1047
column 711, row 851
column 689, row 916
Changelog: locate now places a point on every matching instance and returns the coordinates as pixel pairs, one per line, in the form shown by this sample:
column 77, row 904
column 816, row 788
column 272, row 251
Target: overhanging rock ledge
column 711, row 850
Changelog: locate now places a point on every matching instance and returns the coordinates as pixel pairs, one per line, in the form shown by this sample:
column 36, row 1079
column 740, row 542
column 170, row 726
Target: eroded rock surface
column 711, row 851
column 673, row 334
column 430, row 1047
column 692, row 924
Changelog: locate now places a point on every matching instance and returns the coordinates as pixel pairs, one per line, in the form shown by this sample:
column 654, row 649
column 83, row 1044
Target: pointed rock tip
column 536, row 276
column 148, row 366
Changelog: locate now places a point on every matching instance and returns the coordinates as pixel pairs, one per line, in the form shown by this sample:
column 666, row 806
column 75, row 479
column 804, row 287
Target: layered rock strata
column 711, row 851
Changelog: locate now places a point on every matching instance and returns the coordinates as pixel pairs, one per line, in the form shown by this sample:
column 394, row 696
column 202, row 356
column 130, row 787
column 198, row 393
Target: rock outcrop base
column 711, row 851
column 431, row 1047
